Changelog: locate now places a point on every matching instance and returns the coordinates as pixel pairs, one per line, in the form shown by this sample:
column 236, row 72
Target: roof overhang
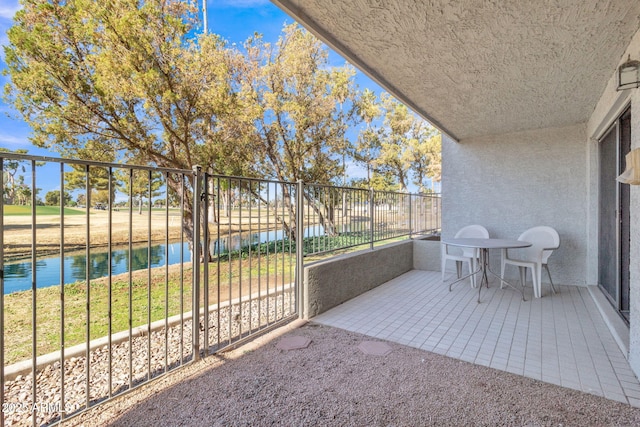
column 481, row 67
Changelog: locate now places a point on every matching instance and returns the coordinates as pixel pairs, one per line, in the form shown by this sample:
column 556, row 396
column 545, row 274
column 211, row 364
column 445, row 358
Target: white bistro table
column 483, row 245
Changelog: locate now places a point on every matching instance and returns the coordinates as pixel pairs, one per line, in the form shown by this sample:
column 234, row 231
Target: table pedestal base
column 483, row 269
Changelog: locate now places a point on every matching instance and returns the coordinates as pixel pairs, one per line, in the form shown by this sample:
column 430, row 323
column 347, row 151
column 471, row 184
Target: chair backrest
column 541, row 237
column 473, row 231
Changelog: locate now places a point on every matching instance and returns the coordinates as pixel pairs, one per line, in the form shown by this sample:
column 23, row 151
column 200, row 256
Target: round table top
column 481, row 243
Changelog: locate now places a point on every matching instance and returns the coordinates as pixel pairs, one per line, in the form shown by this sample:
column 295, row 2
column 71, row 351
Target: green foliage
column 52, row 198
column 301, row 108
column 125, row 80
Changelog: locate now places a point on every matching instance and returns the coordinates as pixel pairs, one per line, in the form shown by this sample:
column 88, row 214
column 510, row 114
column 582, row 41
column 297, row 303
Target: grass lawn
column 163, row 292
column 15, row 210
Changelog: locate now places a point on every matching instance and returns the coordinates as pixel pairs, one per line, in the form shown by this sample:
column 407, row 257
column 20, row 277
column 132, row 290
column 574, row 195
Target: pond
column 18, row 277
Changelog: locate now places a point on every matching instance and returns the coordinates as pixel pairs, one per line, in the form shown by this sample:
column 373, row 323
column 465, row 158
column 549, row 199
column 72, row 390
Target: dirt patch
column 332, row 382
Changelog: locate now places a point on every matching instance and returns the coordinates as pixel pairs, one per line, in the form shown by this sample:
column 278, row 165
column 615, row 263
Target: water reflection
column 18, row 277
column 18, row 274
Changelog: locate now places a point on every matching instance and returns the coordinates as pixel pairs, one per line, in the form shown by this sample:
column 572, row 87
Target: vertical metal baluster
column 267, row 253
column 62, row 206
column 332, row 214
column 166, row 273
column 299, row 226
column 240, row 257
column 130, row 268
column 327, row 203
column 228, row 213
column 34, row 347
column 195, row 259
column 182, row 189
column 275, row 253
column 250, row 199
column 283, row 247
column 410, row 216
column 149, row 177
column 372, row 215
column 363, row 214
column 205, row 257
column 311, row 223
column 340, row 195
column 110, row 280
column 2, row 291
column 259, row 256
column 300, row 292
column 218, row 253
column 88, row 290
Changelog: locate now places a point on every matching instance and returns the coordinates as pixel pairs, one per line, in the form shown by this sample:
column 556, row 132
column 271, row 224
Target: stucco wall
column 332, row 282
column 609, row 107
column 512, row 182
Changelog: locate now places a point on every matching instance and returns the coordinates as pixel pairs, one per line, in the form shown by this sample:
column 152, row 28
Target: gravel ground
column 332, row 382
column 19, row 409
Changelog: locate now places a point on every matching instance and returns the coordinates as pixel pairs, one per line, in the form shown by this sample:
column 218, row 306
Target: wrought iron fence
column 342, row 217
column 98, row 299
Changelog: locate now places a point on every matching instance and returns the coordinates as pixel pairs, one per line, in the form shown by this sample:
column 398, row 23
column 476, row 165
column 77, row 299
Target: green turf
column 40, row 210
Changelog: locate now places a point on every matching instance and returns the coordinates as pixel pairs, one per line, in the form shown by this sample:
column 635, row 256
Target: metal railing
column 98, row 299
column 341, row 217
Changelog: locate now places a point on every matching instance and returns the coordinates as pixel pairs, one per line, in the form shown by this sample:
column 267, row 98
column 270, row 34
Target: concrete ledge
column 330, row 283
column 427, row 254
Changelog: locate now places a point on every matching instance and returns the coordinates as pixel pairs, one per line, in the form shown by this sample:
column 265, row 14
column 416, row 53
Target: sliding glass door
column 614, row 219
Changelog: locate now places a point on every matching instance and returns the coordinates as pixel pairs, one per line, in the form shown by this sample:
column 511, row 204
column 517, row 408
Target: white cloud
column 13, row 140
column 8, row 10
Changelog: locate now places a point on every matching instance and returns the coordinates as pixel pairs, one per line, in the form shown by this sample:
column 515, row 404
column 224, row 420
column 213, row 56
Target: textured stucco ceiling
column 481, row 67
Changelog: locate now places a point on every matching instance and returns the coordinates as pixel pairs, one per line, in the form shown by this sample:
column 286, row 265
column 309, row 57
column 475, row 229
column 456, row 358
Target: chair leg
column 459, row 268
column 523, row 276
column 472, row 268
column 443, row 260
column 537, row 280
column 502, row 266
column 553, row 289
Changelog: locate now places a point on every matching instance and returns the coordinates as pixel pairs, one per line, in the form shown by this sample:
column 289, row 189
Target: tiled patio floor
column 560, row 339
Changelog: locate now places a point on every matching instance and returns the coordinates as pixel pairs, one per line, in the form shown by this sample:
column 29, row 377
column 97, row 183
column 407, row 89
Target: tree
column 52, row 198
column 128, row 77
column 300, row 111
column 425, row 155
column 12, row 178
column 408, row 148
column 368, row 144
column 138, row 183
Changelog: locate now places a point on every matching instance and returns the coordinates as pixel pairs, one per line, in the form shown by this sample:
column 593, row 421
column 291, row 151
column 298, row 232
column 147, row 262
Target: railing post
column 300, row 285
column 205, row 256
column 372, row 214
column 195, row 305
column 2, row 292
column 410, row 216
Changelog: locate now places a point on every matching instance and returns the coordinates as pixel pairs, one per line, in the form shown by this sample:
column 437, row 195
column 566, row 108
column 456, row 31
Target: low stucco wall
column 330, row 283
column 426, row 255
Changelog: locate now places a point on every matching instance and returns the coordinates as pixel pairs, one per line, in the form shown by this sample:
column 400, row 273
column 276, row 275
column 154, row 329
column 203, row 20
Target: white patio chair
column 544, row 240
column 460, row 255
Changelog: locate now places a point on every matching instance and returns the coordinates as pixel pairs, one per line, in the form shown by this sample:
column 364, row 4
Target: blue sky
column 234, row 20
